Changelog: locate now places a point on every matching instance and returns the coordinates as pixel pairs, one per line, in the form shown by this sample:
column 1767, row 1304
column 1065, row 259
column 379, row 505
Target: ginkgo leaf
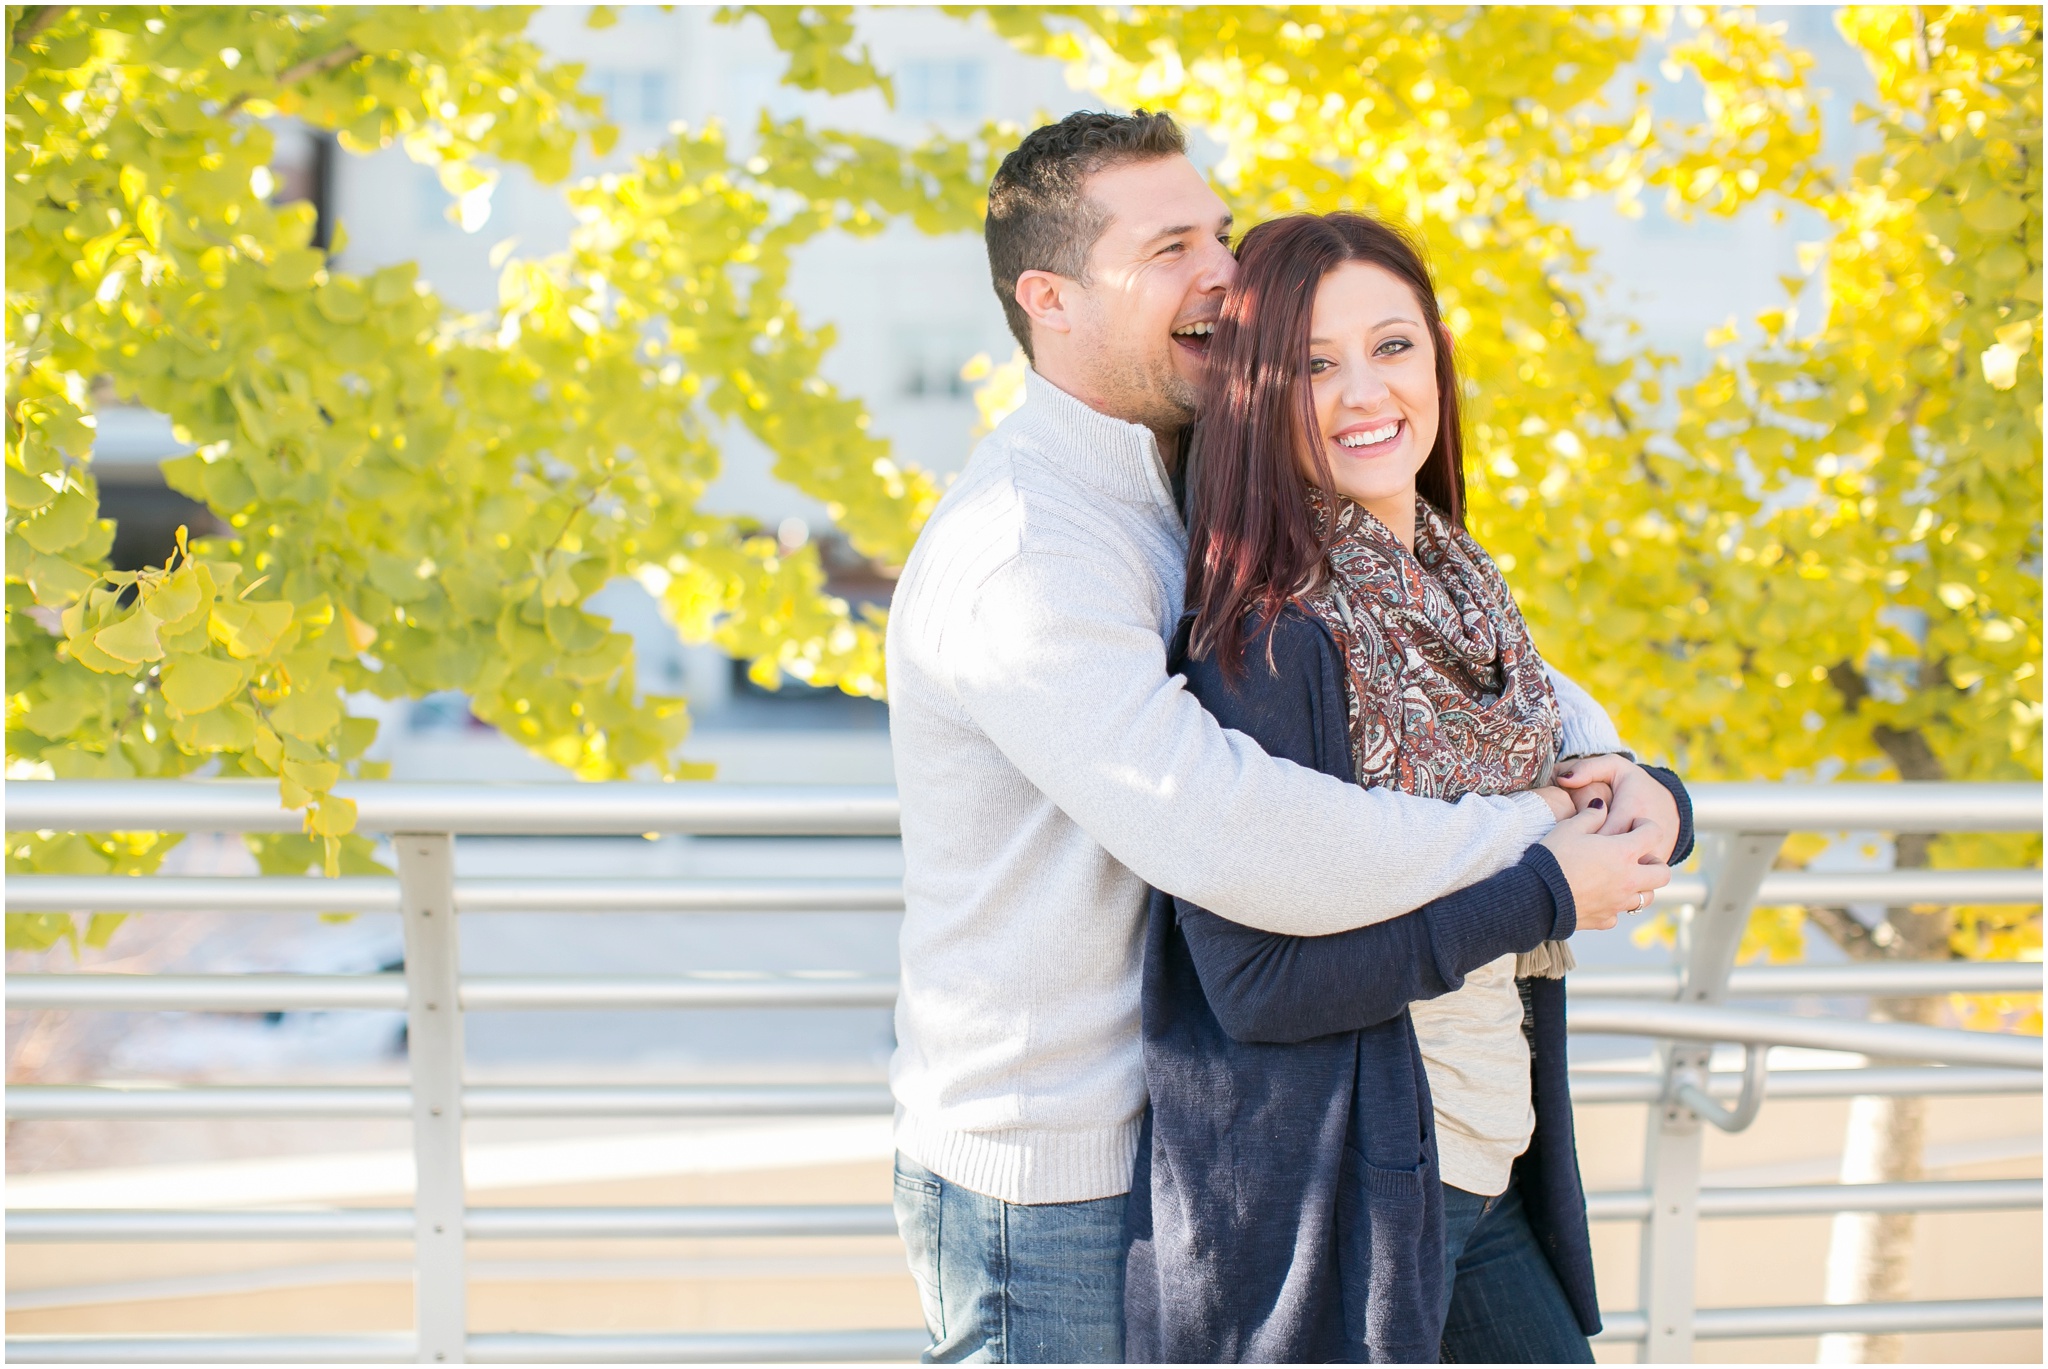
column 195, row 684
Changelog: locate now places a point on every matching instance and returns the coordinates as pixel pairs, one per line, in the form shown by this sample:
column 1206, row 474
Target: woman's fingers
column 1590, row 769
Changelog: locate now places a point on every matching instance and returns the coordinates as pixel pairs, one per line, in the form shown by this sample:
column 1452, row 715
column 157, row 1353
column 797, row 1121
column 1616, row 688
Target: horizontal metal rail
column 1866, row 807
column 618, row 808
column 155, row 1224
column 696, row 991
column 38, row 1102
column 306, row 992
column 391, row 1348
column 379, row 894
column 687, row 1347
column 1810, row 888
column 480, row 1223
column 42, row 1102
column 208, row 992
column 1891, row 1040
column 703, row 989
column 1798, row 1200
column 877, row 1219
column 1890, row 979
column 376, row 894
column 646, row 1223
column 1591, row 1086
column 699, row 1347
column 1872, row 1318
column 622, row 808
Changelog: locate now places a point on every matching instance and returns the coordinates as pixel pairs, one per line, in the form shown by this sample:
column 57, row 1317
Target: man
column 1049, row 768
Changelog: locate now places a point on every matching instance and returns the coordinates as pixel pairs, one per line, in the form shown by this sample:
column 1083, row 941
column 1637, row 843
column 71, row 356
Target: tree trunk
column 1870, row 1254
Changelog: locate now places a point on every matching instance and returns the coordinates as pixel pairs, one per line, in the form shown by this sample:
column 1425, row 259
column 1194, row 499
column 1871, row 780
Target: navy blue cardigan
column 1285, row 1205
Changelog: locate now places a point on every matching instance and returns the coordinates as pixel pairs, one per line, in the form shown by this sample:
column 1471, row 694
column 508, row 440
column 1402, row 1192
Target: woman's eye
column 1318, row 365
column 1393, row 346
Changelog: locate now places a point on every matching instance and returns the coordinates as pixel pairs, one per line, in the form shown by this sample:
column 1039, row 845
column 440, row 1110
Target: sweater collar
column 1120, row 459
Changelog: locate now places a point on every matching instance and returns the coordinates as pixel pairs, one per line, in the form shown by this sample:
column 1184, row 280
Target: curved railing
column 1682, row 1006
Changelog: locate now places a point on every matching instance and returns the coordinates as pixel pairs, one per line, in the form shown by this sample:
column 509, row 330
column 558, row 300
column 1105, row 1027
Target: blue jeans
column 1506, row 1305
column 1005, row 1283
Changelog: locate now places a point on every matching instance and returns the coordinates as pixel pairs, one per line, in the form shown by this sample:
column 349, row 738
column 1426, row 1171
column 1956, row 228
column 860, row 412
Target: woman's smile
column 1368, row 440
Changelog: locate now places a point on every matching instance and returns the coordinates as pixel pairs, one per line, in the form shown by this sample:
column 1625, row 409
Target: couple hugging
column 1244, row 829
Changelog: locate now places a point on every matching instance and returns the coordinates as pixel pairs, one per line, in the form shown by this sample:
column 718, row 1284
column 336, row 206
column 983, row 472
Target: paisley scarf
column 1447, row 696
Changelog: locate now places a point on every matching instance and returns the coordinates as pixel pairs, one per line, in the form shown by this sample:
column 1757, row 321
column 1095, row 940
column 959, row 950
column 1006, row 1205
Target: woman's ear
column 1443, row 332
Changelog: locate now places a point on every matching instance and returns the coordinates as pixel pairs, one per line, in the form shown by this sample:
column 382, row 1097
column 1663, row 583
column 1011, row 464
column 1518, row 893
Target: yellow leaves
column 296, row 269
column 130, row 640
column 197, row 684
column 61, row 523
column 998, row 390
column 250, row 628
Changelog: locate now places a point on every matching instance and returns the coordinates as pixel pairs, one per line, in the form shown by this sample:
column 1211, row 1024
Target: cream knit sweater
column 1050, row 769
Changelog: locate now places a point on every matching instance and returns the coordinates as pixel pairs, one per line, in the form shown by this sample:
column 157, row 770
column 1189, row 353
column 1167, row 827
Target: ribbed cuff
column 1683, row 848
column 1506, row 914
column 1022, row 1166
column 1539, row 859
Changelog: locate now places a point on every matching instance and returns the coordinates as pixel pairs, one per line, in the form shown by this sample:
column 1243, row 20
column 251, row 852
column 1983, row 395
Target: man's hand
column 1637, row 799
column 1608, row 875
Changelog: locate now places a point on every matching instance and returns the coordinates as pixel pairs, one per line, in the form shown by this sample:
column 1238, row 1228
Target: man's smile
column 1195, row 336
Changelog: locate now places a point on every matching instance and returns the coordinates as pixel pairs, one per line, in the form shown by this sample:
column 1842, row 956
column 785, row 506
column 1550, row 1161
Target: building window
column 929, row 359
column 941, row 88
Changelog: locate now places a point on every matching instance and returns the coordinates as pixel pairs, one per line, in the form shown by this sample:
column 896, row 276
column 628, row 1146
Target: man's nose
column 1220, row 268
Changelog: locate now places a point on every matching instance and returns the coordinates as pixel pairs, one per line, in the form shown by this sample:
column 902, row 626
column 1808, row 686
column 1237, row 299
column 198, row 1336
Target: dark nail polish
column 1597, row 803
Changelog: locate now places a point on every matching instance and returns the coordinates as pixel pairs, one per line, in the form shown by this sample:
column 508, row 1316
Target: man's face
column 1156, row 280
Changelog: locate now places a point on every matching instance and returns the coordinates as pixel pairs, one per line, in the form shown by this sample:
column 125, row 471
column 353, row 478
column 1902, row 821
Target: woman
column 1329, row 1174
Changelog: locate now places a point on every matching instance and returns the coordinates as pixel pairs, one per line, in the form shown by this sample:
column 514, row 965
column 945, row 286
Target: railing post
column 426, row 882
column 1708, row 938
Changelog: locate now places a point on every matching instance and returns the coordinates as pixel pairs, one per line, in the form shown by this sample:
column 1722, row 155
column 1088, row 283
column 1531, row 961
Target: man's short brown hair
column 1038, row 219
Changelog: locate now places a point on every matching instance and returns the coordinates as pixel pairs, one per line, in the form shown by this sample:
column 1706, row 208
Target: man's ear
column 1042, row 296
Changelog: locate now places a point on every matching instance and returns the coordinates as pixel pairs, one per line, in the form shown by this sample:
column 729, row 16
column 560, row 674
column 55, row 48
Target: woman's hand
column 1633, row 797
column 1608, row 875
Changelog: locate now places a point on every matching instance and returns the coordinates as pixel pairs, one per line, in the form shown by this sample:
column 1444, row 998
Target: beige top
column 1477, row 1061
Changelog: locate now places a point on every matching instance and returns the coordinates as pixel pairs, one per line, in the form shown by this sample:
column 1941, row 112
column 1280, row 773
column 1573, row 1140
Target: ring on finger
column 1642, row 901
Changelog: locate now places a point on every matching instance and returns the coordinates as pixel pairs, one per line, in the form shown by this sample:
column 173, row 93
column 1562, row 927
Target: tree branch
column 292, row 75
column 35, row 21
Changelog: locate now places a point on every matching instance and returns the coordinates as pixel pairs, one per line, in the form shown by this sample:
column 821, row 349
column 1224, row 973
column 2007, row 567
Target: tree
column 418, row 500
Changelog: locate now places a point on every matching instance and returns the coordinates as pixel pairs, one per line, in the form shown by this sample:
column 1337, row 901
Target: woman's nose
column 1364, row 390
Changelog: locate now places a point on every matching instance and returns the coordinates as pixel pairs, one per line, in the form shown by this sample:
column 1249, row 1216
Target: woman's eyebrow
column 1324, row 341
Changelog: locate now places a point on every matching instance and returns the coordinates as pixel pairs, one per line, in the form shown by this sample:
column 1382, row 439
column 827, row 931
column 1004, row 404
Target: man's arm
column 1588, row 731
column 1061, row 671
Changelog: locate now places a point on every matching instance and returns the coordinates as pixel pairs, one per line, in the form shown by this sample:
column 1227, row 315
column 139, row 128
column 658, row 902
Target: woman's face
column 1372, row 372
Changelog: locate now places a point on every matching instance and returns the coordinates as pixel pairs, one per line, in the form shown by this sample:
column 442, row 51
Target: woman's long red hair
column 1252, row 542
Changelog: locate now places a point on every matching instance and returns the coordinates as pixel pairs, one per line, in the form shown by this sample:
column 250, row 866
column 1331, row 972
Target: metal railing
column 1681, row 1006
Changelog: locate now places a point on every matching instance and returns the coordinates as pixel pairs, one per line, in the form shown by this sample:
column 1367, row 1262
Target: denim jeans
column 1005, row 1283
column 1506, row 1305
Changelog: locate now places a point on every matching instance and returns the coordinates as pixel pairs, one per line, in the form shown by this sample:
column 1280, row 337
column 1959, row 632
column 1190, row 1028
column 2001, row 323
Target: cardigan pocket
column 1389, row 1315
